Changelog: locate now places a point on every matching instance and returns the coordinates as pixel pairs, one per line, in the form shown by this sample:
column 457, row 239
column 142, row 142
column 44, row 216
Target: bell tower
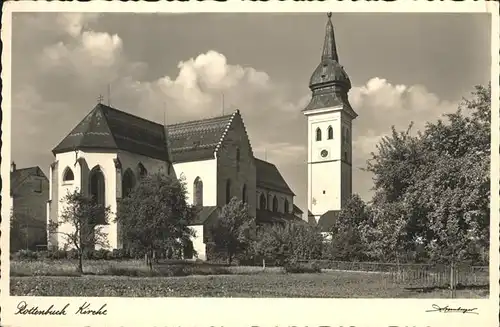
column 329, row 119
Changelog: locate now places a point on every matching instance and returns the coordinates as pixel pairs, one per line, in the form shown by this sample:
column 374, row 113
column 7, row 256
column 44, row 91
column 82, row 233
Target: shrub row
column 301, row 268
column 101, row 254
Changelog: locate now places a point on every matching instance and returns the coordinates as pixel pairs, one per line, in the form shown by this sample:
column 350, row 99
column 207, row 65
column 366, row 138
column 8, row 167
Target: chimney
column 12, row 167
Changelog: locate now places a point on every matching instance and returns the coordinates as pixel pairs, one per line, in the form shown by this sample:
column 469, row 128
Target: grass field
column 29, row 278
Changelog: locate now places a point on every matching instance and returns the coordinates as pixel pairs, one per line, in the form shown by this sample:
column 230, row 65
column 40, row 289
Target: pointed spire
column 329, row 47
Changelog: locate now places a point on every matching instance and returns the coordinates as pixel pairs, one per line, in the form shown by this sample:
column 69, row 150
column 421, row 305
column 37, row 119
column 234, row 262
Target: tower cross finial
column 100, row 98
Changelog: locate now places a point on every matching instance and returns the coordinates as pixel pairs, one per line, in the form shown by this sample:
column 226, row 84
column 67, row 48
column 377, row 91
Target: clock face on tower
column 324, row 153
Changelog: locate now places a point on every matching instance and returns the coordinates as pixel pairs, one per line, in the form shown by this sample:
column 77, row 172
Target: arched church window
column 228, row 191
column 98, row 193
column 275, row 204
column 128, row 183
column 68, row 175
column 318, row 134
column 346, row 135
column 198, row 192
column 330, row 132
column 262, row 202
column 244, row 193
column 237, row 159
column 142, row 170
column 286, row 206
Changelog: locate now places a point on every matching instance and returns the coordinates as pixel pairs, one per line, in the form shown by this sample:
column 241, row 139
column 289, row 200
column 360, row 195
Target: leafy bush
column 301, row 268
column 119, row 254
column 57, row 254
column 100, row 254
column 25, row 255
column 279, row 244
column 216, row 254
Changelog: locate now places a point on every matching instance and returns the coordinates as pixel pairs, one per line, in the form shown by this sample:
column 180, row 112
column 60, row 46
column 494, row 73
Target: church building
column 329, row 120
column 109, row 151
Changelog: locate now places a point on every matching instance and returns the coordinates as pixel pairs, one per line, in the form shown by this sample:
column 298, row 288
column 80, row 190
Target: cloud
column 281, row 152
column 73, row 23
column 381, row 105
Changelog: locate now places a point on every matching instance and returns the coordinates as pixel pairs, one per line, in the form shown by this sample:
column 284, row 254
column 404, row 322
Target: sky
column 404, row 67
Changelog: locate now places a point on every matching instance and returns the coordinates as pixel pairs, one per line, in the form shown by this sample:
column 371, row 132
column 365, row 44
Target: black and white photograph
column 251, row 155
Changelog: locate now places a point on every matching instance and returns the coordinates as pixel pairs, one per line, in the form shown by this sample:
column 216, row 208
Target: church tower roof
column 329, row 81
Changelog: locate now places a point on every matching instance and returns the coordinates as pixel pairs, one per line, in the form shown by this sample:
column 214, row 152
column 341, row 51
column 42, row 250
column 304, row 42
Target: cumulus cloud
column 73, row 23
column 381, row 105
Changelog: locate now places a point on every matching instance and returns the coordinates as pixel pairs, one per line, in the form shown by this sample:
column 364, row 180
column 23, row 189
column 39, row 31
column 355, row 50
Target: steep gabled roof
column 327, row 220
column 269, row 177
column 297, row 209
column 203, row 215
column 18, row 176
column 199, row 139
column 270, row 217
column 109, row 128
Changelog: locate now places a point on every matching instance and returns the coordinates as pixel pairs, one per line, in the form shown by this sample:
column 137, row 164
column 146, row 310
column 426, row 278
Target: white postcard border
column 253, row 312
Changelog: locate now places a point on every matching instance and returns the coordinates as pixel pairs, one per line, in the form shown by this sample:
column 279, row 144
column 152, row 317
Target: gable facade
column 100, row 173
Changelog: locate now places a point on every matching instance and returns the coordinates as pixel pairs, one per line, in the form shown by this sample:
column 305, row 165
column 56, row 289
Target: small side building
column 29, row 193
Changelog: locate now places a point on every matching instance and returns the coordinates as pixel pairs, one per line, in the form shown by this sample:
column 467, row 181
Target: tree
column 155, row 216
column 432, row 189
column 346, row 241
column 288, row 243
column 234, row 229
column 385, row 234
column 86, row 220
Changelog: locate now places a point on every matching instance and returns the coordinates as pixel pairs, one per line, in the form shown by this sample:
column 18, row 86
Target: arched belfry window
column 128, row 183
column 318, row 134
column 98, row 192
column 198, row 192
column 228, row 191
column 141, row 170
column 287, row 209
column 68, row 175
column 262, row 202
column 244, row 193
column 330, row 132
column 275, row 204
column 237, row 159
